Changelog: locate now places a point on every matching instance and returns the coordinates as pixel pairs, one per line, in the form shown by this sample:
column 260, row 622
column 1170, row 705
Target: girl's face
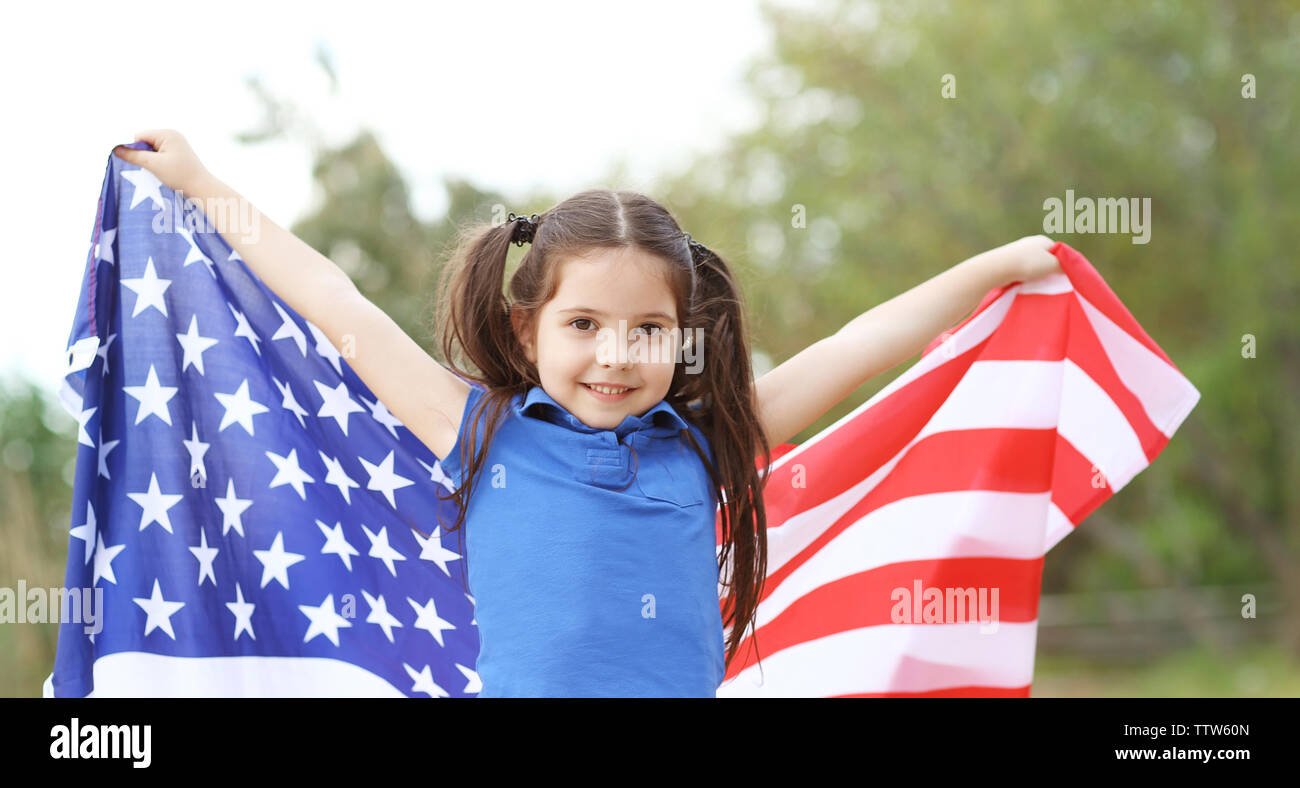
column 613, row 321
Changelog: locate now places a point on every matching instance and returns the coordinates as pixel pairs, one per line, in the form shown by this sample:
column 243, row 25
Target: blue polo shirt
column 592, row 555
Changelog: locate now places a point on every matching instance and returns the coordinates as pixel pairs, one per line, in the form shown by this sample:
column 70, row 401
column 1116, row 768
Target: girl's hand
column 172, row 160
column 1027, row 258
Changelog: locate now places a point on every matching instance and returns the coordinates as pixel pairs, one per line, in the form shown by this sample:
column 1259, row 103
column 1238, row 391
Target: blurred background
column 908, row 135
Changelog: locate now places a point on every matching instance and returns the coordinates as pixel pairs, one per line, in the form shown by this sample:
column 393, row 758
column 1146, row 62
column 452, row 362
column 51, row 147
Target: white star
column 381, row 415
column 153, row 398
column 276, row 562
column 337, row 403
column 289, row 402
column 195, row 254
column 155, row 505
column 148, row 290
column 381, row 549
column 337, row 476
column 424, row 682
column 324, row 621
column 104, row 448
column 231, row 508
column 473, row 684
column 233, row 256
column 379, row 614
column 426, row 618
column 205, row 555
column 103, row 351
column 337, row 543
column 431, row 549
column 436, row 474
column 289, row 330
column 193, row 345
column 104, row 249
column 243, row 329
column 383, row 479
column 288, row 472
column 240, row 408
column 159, row 611
column 86, row 533
column 146, row 185
column 324, row 347
column 83, row 418
column 104, row 560
column 243, row 614
column 197, row 449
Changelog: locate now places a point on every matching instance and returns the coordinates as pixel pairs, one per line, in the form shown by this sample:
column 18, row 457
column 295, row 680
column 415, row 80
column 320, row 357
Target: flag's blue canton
column 239, row 491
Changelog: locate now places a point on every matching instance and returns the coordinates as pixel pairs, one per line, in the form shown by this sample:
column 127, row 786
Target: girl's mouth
column 604, row 397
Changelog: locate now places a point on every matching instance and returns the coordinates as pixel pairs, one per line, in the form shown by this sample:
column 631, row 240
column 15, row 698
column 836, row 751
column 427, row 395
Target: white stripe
column 959, row 524
column 993, row 395
column 81, row 354
column 1001, row 394
column 136, row 674
column 1052, row 284
column 893, row 658
column 790, row 537
column 1058, row 527
column 69, row 399
column 1096, row 427
column 1166, row 396
column 787, row 539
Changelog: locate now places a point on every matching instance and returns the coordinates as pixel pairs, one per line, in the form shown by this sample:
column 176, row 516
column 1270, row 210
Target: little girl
column 610, row 410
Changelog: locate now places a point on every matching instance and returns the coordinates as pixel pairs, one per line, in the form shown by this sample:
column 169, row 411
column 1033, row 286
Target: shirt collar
column 661, row 420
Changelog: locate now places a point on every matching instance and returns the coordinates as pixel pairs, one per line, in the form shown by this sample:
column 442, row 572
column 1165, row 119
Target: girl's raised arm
column 800, row 390
column 421, row 393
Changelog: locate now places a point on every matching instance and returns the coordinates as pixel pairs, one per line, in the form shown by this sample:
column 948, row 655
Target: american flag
column 246, row 505
column 906, row 541
column 243, row 502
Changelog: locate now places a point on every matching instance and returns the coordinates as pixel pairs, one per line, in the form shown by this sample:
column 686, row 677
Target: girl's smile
column 609, row 393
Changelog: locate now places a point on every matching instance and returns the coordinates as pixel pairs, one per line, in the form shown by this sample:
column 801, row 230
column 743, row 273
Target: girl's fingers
column 155, row 137
column 140, row 158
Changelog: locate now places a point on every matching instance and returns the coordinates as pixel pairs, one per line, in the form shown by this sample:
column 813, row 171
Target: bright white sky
column 508, row 94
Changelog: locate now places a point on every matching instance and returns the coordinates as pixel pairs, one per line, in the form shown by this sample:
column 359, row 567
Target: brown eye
column 640, row 330
column 579, row 320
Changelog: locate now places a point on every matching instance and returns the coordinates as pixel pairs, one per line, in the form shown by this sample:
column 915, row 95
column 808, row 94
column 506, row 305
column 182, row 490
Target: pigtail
column 473, row 324
column 729, row 415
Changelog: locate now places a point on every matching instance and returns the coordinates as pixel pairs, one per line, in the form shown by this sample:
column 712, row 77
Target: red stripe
column 890, row 425
column 1088, row 354
column 1078, row 487
column 989, row 298
column 867, row 599
column 1021, row 337
column 988, row 459
column 895, row 420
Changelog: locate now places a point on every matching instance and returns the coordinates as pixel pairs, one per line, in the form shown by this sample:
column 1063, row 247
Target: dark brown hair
column 473, row 324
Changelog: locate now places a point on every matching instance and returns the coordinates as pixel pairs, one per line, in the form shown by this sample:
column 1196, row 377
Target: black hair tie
column 525, row 228
column 697, row 248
